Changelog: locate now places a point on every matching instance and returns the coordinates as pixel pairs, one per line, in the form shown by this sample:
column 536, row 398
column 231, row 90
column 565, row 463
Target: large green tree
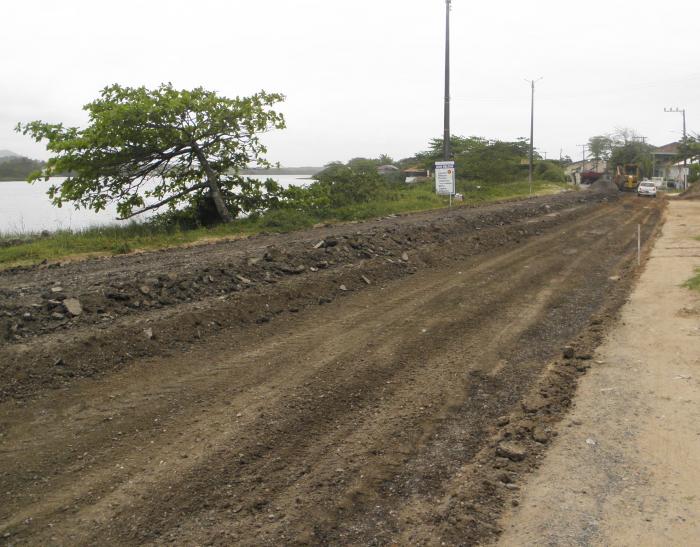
column 635, row 152
column 148, row 148
column 600, row 148
column 689, row 149
column 482, row 159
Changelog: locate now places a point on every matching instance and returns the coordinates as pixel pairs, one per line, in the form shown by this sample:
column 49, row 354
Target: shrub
column 285, row 220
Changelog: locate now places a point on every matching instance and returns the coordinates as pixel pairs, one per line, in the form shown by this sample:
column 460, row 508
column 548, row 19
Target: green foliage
column 18, row 168
column 633, row 152
column 690, row 149
column 144, row 149
column 694, row 174
column 550, row 171
column 364, row 165
column 357, row 182
column 600, row 147
column 285, row 220
column 481, row 159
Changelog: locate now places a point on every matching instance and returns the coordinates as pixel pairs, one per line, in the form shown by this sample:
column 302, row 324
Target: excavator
column 627, row 177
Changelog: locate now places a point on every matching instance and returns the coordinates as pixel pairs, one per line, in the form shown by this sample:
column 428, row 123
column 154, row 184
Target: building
column 387, row 169
column 666, row 164
column 573, row 170
column 415, row 174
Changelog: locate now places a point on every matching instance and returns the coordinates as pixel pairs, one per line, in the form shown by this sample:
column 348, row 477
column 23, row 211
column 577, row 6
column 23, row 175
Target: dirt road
column 377, row 383
column 625, row 469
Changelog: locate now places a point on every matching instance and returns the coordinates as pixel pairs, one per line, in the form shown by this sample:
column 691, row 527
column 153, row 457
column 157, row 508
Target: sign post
column 445, row 178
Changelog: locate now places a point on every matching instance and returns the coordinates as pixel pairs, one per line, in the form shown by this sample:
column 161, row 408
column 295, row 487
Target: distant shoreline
column 308, row 171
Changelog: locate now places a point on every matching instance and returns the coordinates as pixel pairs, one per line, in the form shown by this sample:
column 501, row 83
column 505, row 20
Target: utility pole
column 685, row 160
column 532, row 127
column 583, row 160
column 446, row 135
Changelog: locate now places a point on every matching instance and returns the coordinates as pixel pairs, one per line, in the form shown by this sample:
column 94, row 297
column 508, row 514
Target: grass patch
column 694, row 282
column 117, row 240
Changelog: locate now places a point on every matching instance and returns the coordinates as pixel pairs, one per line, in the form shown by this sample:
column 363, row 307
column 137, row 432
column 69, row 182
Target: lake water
column 25, row 208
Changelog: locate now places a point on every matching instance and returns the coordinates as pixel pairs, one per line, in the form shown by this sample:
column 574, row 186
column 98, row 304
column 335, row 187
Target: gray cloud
column 365, row 77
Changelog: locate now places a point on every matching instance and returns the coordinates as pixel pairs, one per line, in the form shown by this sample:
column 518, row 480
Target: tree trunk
column 213, row 183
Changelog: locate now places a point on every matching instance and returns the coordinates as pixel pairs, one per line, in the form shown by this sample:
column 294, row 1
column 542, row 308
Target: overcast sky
column 365, row 77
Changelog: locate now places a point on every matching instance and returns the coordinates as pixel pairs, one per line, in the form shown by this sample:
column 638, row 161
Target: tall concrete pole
column 446, row 152
column 685, row 160
column 532, row 128
column 583, row 161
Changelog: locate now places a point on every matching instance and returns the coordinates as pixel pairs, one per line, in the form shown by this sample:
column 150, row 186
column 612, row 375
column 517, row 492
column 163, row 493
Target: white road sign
column 445, row 178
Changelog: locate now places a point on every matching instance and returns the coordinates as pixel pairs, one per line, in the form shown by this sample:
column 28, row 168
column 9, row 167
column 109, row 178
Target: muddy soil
column 371, row 383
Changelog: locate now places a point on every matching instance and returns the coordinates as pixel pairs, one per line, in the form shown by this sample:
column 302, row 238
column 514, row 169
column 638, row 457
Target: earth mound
column 693, row 192
column 603, row 185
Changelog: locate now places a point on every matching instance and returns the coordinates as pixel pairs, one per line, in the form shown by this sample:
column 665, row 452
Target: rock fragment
column 511, row 450
column 540, row 435
column 73, row 306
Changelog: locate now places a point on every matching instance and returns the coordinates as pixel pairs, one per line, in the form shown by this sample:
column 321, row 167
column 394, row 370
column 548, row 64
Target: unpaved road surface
column 625, row 469
column 373, row 383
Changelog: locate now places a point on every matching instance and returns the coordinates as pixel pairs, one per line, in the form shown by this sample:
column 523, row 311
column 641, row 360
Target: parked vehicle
column 589, row 177
column 646, row 188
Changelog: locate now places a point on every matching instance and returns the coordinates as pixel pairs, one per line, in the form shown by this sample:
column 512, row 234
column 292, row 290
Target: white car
column 646, row 188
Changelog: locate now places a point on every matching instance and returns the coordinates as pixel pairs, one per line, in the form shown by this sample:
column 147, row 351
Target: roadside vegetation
column 185, row 155
column 162, row 232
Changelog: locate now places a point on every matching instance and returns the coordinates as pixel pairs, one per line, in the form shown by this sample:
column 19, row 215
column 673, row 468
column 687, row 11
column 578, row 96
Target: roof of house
column 387, row 168
column 670, row 148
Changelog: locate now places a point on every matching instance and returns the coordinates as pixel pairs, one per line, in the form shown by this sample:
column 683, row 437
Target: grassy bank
column 124, row 239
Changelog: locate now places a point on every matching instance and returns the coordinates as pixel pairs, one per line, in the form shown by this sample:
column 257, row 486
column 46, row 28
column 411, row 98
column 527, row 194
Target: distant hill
column 16, row 167
column 8, row 154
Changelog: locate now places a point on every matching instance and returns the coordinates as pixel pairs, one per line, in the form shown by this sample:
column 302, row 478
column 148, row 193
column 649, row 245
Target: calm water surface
column 26, row 208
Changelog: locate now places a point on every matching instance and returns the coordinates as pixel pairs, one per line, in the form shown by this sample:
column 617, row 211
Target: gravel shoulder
column 625, row 467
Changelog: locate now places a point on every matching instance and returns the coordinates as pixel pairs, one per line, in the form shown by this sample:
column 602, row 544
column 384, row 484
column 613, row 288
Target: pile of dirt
column 94, row 316
column 693, row 192
column 604, row 184
column 60, row 297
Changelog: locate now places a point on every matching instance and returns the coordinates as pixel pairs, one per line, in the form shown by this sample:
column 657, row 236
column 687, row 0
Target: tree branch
column 166, row 200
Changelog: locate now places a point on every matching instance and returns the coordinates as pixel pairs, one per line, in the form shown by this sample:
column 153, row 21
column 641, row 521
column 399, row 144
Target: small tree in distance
column 600, row 148
column 144, row 149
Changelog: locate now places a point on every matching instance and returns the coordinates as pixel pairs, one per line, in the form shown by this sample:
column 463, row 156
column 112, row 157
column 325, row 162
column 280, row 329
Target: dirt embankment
column 693, row 192
column 397, row 395
column 77, row 319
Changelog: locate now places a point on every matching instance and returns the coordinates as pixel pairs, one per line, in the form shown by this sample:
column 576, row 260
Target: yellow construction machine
column 627, row 177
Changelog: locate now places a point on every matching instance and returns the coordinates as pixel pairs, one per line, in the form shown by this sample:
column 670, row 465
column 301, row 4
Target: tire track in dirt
column 362, row 390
